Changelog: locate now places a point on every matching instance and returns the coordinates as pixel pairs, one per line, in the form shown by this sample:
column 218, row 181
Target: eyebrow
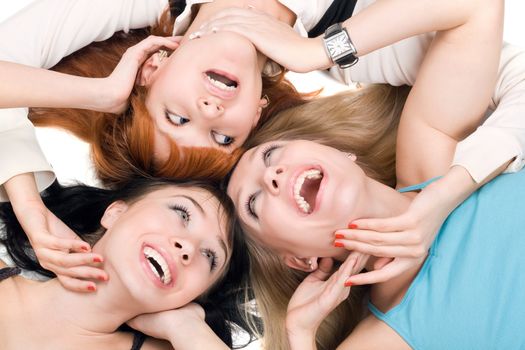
column 195, row 203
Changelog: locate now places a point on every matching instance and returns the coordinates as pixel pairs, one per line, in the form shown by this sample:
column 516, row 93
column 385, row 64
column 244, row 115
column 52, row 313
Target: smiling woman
column 163, row 244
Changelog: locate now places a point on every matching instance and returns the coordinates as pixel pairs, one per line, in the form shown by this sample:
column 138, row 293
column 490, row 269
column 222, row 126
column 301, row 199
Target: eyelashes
column 250, row 205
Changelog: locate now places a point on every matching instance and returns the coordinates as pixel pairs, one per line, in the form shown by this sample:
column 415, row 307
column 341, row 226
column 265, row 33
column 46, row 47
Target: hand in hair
column 57, row 248
column 319, row 293
column 185, row 328
column 292, row 51
column 118, row 85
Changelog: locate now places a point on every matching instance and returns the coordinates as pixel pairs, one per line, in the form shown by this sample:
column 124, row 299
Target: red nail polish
column 86, row 249
column 97, row 259
column 338, row 244
column 339, row 236
column 91, row 288
column 348, row 284
column 103, row 278
column 352, row 226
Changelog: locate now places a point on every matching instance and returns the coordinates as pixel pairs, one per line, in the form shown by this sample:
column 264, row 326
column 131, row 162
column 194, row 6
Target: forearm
column 386, row 22
column 25, row 86
column 301, row 340
column 22, row 191
column 196, row 337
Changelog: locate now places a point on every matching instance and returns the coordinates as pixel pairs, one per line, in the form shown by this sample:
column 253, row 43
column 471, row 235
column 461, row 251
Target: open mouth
column 158, row 265
column 221, row 81
column 306, row 188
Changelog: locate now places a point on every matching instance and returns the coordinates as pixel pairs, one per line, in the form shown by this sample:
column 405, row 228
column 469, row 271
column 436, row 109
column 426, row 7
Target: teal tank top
column 470, row 292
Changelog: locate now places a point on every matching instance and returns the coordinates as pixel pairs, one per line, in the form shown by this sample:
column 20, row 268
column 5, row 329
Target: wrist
column 301, row 339
column 22, row 191
column 320, row 56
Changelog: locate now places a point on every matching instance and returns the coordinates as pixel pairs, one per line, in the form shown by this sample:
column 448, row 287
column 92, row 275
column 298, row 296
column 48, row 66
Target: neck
column 97, row 313
column 378, row 201
column 271, row 7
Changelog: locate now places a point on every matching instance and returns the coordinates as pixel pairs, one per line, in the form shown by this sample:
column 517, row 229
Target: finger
column 382, row 251
column 388, row 272
column 323, row 271
column 233, row 12
column 64, row 244
column 392, row 224
column 82, row 272
column 67, row 260
column 381, row 262
column 378, row 238
column 76, row 285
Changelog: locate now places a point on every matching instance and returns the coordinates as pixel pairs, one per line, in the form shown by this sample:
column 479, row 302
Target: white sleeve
column 502, row 136
column 40, row 36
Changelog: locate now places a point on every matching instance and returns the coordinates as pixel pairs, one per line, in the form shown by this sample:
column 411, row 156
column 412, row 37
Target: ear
column 145, row 75
column 112, row 213
column 263, row 103
column 303, row 264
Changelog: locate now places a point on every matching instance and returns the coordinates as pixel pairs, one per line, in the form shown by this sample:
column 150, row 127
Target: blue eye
column 222, row 140
column 183, row 212
column 211, row 255
column 176, row 119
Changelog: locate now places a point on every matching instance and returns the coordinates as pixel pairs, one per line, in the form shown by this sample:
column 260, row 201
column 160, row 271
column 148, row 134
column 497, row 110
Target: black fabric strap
column 339, row 11
column 176, row 7
column 138, row 340
column 7, row 272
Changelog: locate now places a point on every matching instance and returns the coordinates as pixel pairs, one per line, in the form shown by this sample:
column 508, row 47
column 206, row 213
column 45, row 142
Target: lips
column 221, row 84
column 306, row 188
column 159, row 266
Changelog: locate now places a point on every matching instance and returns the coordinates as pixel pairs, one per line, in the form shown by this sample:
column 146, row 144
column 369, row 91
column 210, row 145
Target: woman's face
column 207, row 93
column 167, row 248
column 293, row 195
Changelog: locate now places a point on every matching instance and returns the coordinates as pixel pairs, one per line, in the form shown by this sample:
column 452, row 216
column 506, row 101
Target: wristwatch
column 339, row 46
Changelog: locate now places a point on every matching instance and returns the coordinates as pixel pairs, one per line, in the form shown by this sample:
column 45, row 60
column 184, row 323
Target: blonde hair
column 363, row 122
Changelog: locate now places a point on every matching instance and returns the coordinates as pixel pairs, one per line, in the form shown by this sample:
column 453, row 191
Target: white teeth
column 312, row 174
column 151, row 253
column 220, row 84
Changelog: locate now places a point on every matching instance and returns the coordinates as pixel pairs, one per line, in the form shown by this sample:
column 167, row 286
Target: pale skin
column 61, row 319
column 213, row 120
column 426, row 141
column 379, row 201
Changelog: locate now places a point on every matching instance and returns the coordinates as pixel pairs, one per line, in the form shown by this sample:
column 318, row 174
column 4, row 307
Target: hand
column 118, row 85
column 59, row 249
column 405, row 238
column 166, row 324
column 275, row 39
column 319, row 293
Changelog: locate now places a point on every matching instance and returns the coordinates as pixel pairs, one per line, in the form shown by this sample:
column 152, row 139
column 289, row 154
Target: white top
column 40, row 36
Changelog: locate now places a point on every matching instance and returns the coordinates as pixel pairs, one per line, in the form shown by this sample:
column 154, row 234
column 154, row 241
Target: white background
column 70, row 158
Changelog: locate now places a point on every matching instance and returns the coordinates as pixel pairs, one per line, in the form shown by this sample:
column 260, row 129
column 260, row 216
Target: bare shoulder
column 372, row 333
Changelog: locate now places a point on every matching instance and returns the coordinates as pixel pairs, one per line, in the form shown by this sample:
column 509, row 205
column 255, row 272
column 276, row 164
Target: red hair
column 122, row 145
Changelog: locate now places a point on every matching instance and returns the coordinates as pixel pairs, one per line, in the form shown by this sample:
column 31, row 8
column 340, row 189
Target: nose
column 185, row 250
column 273, row 179
column 210, row 107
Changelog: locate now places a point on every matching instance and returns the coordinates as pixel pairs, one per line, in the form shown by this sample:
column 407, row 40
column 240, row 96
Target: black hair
column 81, row 207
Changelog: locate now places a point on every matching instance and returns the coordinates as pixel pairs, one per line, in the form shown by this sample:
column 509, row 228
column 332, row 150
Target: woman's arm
column 448, row 95
column 184, row 328
column 371, row 29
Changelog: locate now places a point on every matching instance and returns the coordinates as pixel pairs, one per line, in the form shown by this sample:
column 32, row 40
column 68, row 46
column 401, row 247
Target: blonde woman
column 292, row 196
column 497, row 145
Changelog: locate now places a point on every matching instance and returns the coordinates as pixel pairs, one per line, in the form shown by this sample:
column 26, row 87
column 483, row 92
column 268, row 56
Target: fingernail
column 103, row 278
column 339, row 236
column 97, row 259
column 91, row 288
column 84, row 248
column 348, row 284
column 352, row 226
column 338, row 244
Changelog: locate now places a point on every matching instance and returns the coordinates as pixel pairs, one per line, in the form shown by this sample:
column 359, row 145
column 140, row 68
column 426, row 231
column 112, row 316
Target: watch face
column 338, row 44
